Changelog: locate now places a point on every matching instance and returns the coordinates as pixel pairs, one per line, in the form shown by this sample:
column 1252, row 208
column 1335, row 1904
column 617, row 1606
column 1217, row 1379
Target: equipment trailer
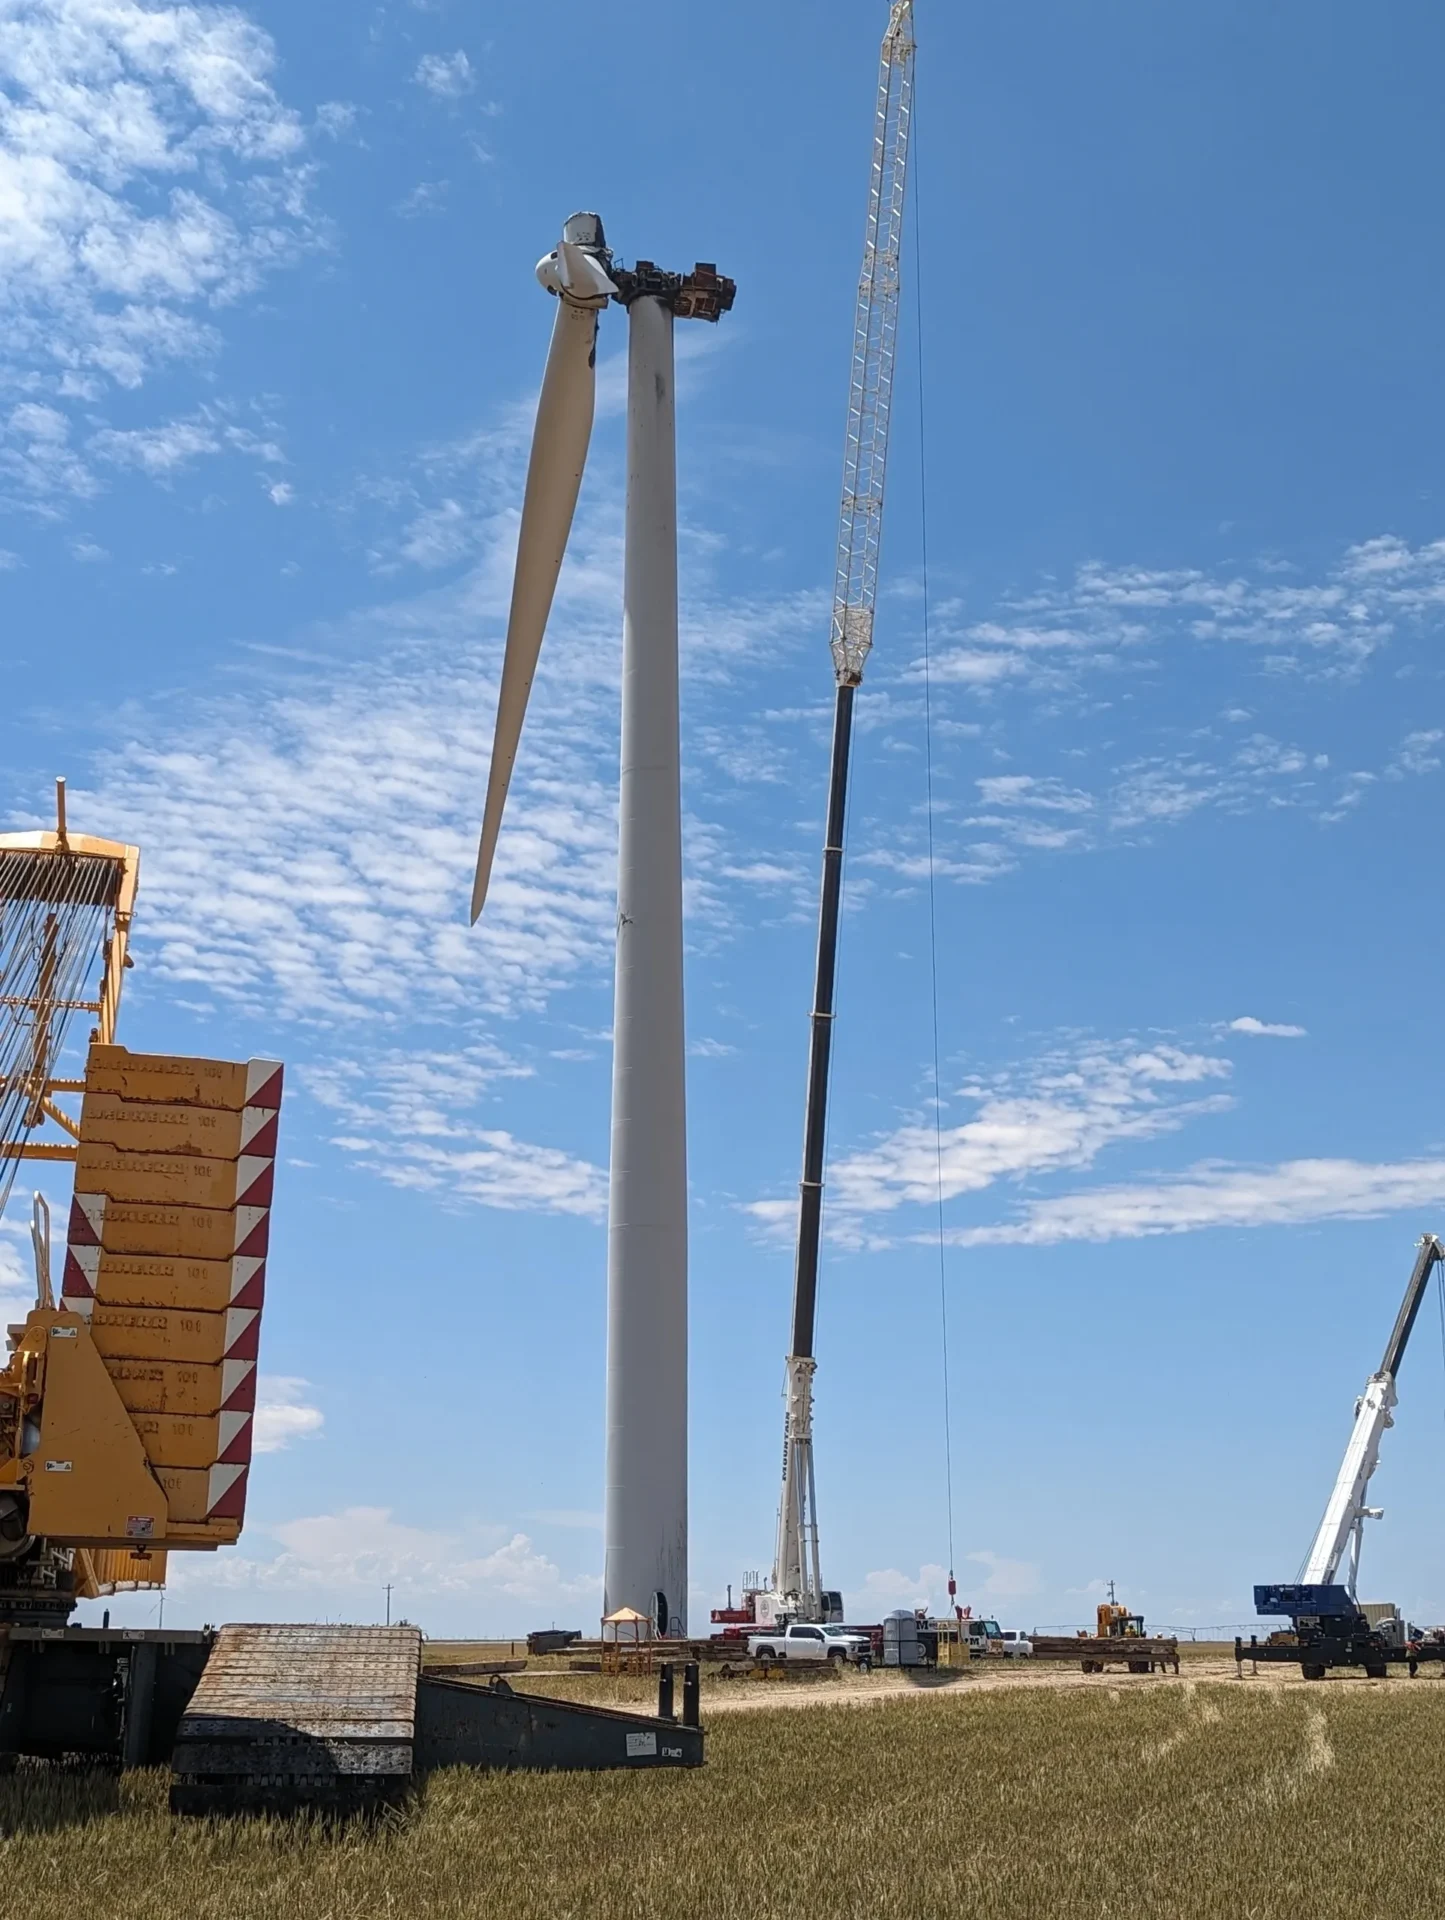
column 275, row 1718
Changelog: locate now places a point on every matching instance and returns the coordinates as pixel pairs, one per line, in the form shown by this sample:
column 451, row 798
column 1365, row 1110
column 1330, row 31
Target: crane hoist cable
column 921, row 384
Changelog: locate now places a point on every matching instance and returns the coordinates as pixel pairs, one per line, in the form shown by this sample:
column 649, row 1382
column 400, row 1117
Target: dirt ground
column 803, row 1691
column 863, row 1690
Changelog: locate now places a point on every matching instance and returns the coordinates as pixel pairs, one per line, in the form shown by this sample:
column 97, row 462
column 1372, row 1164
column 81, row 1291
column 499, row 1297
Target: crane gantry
column 797, row 1578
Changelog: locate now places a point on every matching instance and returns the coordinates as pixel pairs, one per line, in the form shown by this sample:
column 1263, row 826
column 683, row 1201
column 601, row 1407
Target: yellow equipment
column 1117, row 1623
column 126, row 1404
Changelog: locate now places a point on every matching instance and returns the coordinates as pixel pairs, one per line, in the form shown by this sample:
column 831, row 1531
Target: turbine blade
column 581, row 273
column 554, row 476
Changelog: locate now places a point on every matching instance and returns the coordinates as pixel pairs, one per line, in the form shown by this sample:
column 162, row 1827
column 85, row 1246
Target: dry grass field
column 1205, row 1796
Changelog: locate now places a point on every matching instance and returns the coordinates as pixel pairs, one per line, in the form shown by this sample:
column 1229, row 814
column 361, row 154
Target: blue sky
column 271, row 340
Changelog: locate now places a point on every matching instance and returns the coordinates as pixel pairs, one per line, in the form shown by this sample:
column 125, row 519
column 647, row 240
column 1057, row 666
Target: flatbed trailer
column 1140, row 1653
column 1315, row 1660
column 273, row 1718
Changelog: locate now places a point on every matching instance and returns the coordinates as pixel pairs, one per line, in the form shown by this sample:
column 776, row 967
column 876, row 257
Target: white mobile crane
column 797, row 1591
column 1330, row 1627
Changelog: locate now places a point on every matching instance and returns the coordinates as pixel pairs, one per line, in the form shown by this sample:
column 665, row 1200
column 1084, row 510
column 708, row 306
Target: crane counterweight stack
column 797, row 1588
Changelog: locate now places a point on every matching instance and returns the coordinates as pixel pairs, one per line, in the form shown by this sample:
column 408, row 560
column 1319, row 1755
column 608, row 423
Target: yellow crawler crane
column 127, row 1402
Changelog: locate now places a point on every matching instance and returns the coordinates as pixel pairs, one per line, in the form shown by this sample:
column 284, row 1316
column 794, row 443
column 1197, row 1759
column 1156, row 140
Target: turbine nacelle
column 576, row 269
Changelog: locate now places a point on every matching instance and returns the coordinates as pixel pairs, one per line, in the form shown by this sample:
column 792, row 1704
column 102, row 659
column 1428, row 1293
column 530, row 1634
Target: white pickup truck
column 798, row 1645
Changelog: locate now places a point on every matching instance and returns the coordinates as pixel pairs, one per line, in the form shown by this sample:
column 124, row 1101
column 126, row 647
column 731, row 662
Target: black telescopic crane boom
column 815, row 1119
column 1430, row 1251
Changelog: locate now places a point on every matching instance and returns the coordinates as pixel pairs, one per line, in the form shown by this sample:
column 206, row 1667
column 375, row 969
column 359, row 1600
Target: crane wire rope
column 928, row 811
column 1440, row 1298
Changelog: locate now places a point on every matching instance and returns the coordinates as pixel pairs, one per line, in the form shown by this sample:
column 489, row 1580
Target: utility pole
column 388, row 1603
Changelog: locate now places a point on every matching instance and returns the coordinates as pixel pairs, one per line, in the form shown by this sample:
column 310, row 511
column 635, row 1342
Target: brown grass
column 1179, row 1802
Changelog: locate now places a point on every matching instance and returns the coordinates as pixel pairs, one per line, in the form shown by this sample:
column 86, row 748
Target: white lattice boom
column 875, row 329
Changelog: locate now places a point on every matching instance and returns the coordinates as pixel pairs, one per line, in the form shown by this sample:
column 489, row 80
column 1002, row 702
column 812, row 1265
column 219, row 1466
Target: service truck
column 804, row 1645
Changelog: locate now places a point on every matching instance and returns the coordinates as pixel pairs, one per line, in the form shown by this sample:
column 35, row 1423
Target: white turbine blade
column 581, row 274
column 554, row 475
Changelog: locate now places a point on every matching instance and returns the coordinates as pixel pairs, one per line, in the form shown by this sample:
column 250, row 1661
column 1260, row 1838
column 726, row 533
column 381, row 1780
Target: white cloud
column 1417, row 754
column 17, row 1269
column 428, row 196
column 281, row 1414
column 1023, row 790
column 156, row 450
column 1061, row 1111
column 1135, row 798
column 412, row 1120
column 1110, row 617
column 357, row 1551
column 448, row 76
column 1007, row 1579
column 1217, row 1195
column 310, row 853
column 1246, row 1023
column 149, row 174
column 886, row 1589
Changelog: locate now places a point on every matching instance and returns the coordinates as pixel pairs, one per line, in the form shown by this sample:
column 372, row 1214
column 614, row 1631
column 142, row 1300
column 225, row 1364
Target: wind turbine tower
column 645, row 1521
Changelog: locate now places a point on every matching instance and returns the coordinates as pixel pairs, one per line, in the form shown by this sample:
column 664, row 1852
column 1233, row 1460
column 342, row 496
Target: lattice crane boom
column 797, row 1579
column 875, row 330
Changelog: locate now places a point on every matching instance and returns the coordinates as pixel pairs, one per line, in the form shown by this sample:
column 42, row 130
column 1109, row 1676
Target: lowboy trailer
column 276, row 1718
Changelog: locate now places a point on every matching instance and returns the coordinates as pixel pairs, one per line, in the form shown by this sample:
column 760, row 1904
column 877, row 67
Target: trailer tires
column 1311, row 1672
column 1377, row 1673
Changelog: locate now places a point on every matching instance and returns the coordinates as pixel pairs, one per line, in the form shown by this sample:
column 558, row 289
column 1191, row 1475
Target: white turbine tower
column 645, row 1524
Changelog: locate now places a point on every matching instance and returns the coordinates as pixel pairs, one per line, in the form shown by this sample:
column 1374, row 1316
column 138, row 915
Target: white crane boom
column 1347, row 1512
column 875, row 331
column 797, row 1587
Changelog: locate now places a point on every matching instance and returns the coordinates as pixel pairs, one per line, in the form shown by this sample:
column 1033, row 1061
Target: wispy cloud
column 1218, row 1195
column 17, row 1268
column 282, row 1414
column 1001, row 1579
column 1117, row 617
column 1271, row 1029
column 149, row 174
column 353, row 1553
column 1139, row 798
column 447, row 75
column 426, row 197
column 309, row 854
column 413, row 1120
column 1059, row 1112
